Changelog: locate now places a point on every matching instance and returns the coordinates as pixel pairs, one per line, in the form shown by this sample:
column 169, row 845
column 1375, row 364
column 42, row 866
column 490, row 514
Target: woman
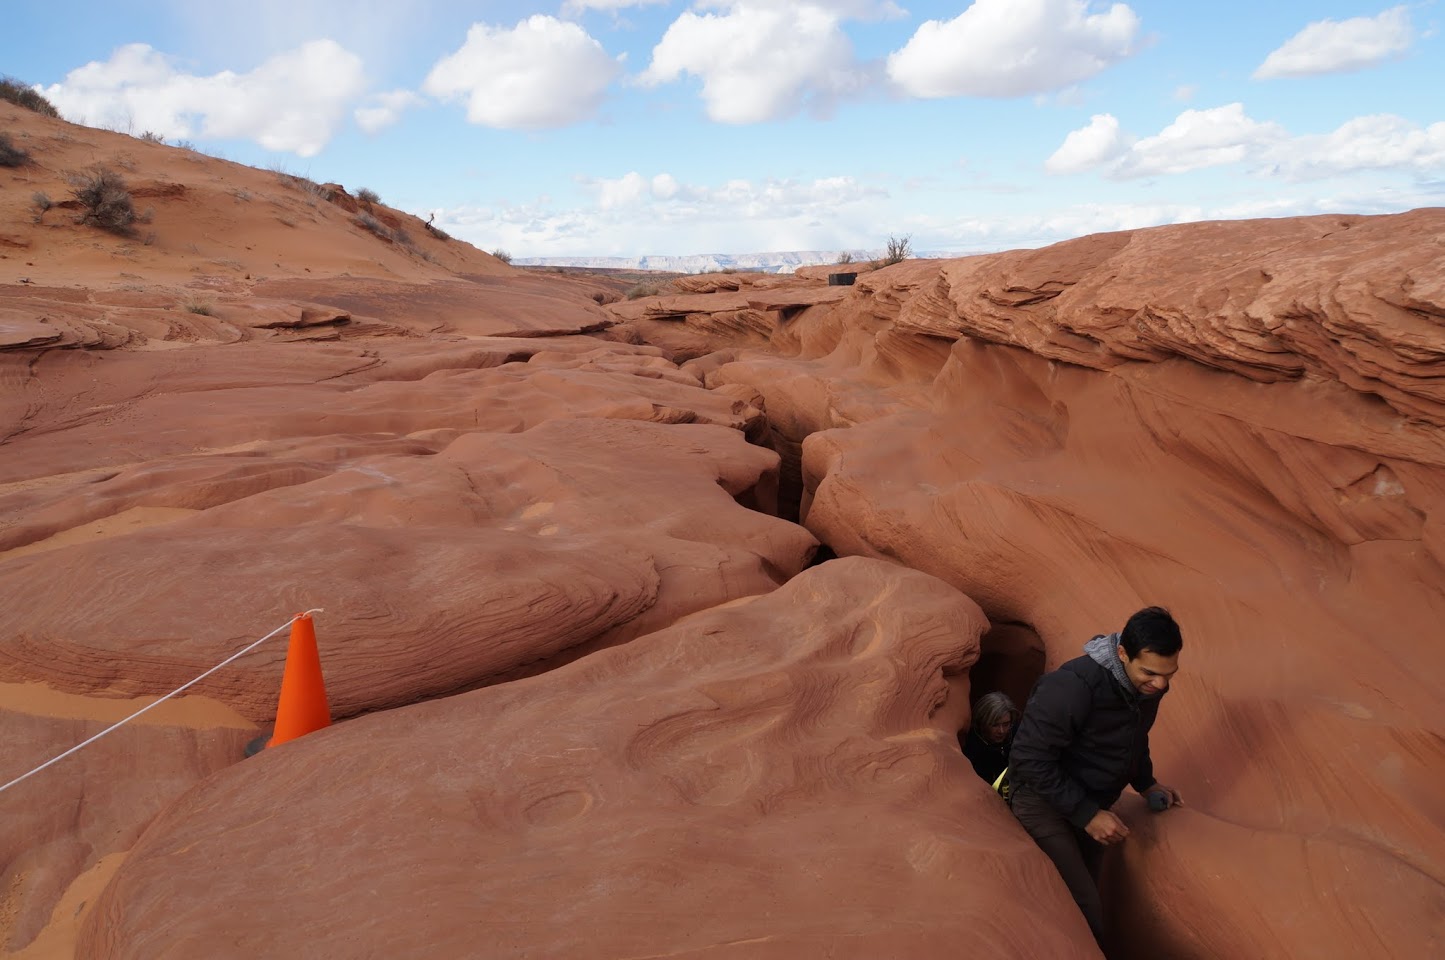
column 988, row 740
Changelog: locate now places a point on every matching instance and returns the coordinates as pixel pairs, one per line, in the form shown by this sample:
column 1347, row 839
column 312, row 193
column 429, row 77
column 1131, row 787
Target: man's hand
column 1106, row 828
column 1175, row 800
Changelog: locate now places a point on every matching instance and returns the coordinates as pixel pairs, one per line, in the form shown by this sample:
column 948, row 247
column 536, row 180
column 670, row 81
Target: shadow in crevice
column 1011, row 659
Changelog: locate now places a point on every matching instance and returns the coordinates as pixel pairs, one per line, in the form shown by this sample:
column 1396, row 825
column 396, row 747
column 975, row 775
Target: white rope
column 184, row 686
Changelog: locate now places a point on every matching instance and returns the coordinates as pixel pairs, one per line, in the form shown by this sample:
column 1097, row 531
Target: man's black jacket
column 1082, row 739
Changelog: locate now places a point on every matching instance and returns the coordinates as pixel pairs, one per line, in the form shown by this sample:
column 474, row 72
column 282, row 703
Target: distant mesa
column 785, row 261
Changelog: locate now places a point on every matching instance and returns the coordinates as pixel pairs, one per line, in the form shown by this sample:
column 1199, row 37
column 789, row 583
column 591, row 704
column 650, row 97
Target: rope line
column 156, row 703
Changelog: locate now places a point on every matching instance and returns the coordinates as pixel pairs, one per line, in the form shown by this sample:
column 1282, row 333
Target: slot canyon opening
column 1010, row 661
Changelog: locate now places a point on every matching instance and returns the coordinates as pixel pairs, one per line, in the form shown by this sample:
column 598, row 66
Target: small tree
column 899, row 249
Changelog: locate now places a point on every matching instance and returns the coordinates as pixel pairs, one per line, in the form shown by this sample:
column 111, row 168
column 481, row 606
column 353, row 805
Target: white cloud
column 1195, row 140
column 385, row 110
column 1329, row 46
column 1089, row 147
column 636, row 214
column 1012, row 48
column 761, row 59
column 1185, row 92
column 1226, row 135
column 1198, row 139
column 294, row 101
column 1378, row 142
column 544, row 72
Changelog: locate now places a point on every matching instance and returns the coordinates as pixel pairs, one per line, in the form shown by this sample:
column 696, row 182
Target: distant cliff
column 776, row 262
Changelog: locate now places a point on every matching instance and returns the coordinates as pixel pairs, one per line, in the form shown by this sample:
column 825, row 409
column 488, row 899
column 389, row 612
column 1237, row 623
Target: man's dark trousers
column 1076, row 854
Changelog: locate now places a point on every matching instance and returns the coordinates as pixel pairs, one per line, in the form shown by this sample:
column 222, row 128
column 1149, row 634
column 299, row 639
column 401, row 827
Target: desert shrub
column 845, row 257
column 11, row 155
column 899, row 249
column 199, row 307
column 368, row 196
column 23, row 95
column 367, row 222
column 502, row 255
column 41, row 201
column 643, row 290
column 150, row 136
column 104, row 200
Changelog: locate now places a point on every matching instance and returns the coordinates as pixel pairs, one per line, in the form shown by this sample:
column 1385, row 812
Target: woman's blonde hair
column 994, row 708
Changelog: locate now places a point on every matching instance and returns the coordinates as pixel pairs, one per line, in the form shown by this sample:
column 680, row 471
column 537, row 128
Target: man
column 1084, row 736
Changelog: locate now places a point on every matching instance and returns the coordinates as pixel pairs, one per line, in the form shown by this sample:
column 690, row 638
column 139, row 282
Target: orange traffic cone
column 303, row 707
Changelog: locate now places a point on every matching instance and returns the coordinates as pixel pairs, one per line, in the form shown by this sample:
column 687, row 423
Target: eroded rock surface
column 763, row 779
column 1212, row 434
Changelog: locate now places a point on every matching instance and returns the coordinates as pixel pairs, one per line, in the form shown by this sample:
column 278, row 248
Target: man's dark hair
column 1152, row 629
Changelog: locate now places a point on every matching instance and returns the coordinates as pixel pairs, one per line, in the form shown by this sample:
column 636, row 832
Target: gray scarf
column 1104, row 650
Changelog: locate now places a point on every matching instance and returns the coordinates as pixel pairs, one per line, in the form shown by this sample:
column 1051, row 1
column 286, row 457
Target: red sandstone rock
column 763, row 779
column 1293, row 526
column 1240, row 420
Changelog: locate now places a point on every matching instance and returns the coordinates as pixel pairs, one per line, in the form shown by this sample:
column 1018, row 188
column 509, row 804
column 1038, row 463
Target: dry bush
column 11, row 155
column 399, row 237
column 41, row 201
column 23, row 95
column 899, row 249
column 199, row 307
column 502, row 255
column 104, row 200
column 844, row 258
column 150, row 136
column 643, row 290
column 368, row 196
column 367, row 222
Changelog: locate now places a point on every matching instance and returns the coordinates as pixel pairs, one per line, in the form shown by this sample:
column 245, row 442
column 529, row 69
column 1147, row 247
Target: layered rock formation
column 1251, row 438
column 705, row 789
column 593, row 702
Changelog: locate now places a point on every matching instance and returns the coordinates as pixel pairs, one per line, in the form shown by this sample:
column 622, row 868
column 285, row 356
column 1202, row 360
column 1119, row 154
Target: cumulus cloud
column 1089, row 147
column 1329, row 46
column 1012, row 48
column 1227, row 135
column 385, row 110
column 543, row 72
column 1378, row 142
column 295, row 101
column 1198, row 139
column 761, row 60
column 638, row 214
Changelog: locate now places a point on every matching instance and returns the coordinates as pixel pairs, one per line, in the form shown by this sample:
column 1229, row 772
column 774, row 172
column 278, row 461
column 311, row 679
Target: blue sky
column 608, row 127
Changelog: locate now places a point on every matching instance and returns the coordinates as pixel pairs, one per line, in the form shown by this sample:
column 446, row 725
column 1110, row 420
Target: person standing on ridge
column 1084, row 736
